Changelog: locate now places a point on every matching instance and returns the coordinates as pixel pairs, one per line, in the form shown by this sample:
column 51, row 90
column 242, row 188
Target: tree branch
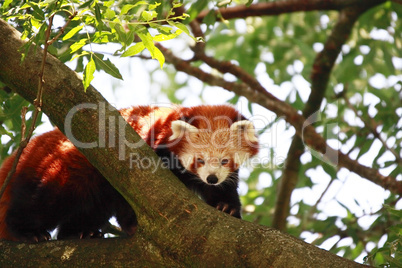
column 286, row 6
column 18, row 153
column 175, row 227
column 321, row 70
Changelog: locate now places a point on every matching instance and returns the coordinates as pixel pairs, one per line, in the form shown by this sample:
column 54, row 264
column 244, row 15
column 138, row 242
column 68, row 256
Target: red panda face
column 214, row 154
column 212, row 167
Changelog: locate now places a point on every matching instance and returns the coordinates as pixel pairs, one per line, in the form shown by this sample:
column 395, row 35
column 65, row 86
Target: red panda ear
column 245, row 127
column 181, row 128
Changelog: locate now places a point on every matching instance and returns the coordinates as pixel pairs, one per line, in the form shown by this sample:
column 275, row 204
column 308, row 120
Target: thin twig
column 314, row 207
column 62, row 29
column 17, row 154
column 37, row 103
column 41, row 81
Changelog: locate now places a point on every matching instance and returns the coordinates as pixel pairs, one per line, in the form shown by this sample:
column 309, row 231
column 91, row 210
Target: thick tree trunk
column 175, row 227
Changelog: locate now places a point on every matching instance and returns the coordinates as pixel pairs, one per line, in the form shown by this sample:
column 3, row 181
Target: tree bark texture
column 175, row 227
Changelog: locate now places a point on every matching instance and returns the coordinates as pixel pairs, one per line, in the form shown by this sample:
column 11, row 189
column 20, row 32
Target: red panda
column 55, row 186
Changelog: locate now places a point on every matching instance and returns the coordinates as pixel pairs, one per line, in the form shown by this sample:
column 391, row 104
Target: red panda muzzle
column 212, row 179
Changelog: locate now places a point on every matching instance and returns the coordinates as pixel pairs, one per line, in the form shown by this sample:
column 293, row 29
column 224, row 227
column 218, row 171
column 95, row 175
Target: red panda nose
column 212, row 179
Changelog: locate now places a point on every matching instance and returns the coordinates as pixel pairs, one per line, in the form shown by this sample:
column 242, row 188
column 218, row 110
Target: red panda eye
column 224, row 162
column 200, row 161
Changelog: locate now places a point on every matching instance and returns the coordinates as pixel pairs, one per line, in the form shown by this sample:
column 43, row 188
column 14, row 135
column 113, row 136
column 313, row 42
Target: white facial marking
column 186, row 160
column 208, row 165
column 221, row 173
column 219, row 152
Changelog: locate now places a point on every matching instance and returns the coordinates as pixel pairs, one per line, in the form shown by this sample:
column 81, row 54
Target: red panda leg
column 23, row 231
column 73, row 228
column 228, row 202
column 25, row 219
column 92, row 215
column 92, row 220
column 37, row 207
column 224, row 197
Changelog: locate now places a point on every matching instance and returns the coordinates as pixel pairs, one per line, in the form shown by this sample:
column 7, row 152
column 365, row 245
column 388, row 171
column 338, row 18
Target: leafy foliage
column 389, row 254
column 98, row 22
column 10, row 117
column 80, row 26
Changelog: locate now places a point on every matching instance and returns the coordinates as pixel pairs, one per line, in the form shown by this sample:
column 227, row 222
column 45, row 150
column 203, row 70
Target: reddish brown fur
column 47, row 156
column 51, row 163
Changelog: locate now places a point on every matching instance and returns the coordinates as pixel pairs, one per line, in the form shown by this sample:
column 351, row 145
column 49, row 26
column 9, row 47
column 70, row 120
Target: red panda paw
column 68, row 234
column 35, row 237
column 130, row 230
column 91, row 234
column 229, row 209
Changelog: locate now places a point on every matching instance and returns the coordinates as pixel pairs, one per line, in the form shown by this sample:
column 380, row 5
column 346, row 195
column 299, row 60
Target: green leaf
column 176, row 4
column 165, row 37
column 121, row 33
column 387, row 57
column 7, row 3
column 40, row 36
column 85, row 4
column 133, row 50
column 38, row 13
column 148, row 15
column 72, row 32
column 107, row 66
column 196, row 8
column 346, row 70
column 109, row 14
column 330, row 170
column 179, row 25
column 102, row 37
column 210, row 18
column 127, row 8
column 24, row 6
column 153, row 6
column 396, row 213
column 36, row 23
column 89, row 73
column 77, row 45
column 365, row 148
column 184, row 28
column 149, row 44
column 249, row 2
column 161, row 28
column 98, row 17
column 159, row 56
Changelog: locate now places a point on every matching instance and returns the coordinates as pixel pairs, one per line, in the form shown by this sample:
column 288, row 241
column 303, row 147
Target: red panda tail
column 5, row 199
